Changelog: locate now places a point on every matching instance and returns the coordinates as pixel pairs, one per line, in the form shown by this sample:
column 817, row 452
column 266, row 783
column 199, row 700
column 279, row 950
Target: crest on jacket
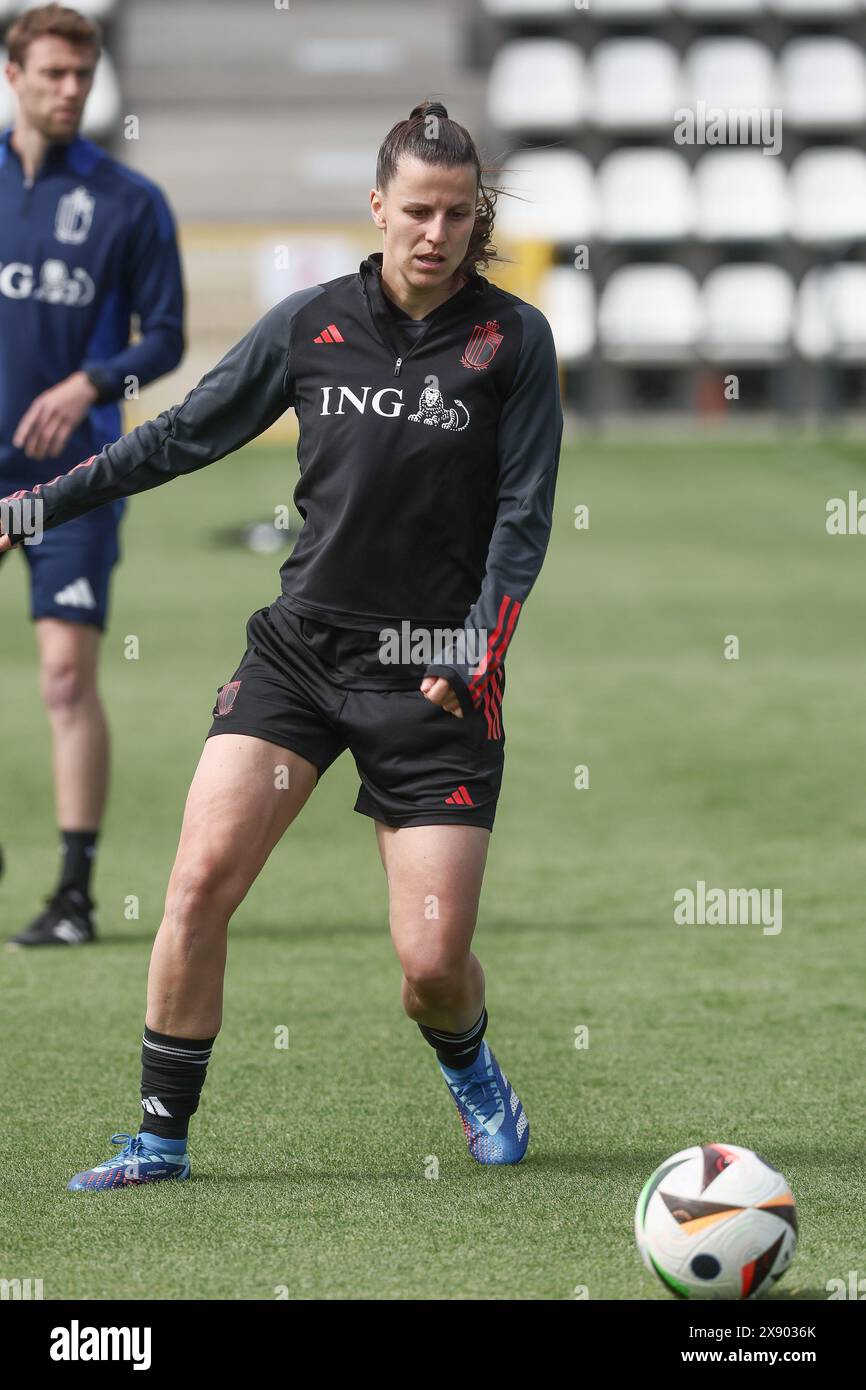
column 480, row 351
column 74, row 216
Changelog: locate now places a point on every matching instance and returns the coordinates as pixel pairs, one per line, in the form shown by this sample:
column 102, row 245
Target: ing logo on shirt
column 57, row 283
column 432, row 410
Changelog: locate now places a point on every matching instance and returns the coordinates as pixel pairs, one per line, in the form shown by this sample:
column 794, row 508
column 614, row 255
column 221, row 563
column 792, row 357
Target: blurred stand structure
column 690, row 175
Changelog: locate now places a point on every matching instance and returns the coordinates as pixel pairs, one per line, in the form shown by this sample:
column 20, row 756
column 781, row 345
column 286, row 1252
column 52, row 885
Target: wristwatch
column 104, row 391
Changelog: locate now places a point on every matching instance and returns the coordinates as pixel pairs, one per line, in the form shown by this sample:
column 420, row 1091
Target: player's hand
column 47, row 424
column 5, row 543
column 438, row 690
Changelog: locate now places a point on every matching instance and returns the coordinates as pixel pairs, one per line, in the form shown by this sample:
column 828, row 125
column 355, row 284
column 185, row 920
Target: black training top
column 428, row 455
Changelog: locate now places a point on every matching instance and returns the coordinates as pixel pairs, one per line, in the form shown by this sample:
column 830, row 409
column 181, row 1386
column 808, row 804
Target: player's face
column 427, row 215
column 53, row 85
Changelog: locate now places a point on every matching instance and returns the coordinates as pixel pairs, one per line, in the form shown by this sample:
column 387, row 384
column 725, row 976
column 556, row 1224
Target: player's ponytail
column 429, row 134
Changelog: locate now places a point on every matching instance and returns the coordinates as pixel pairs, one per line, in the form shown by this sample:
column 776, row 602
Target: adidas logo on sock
column 460, row 797
column 154, row 1106
column 78, row 594
column 67, row 931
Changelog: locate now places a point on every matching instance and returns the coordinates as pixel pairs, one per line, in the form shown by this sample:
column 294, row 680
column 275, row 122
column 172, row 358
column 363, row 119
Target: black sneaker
column 66, row 921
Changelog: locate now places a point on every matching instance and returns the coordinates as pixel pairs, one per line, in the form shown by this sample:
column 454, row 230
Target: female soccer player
column 430, row 427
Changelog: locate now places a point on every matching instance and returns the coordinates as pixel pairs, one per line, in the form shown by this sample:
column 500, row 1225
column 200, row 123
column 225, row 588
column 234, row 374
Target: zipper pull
column 397, row 365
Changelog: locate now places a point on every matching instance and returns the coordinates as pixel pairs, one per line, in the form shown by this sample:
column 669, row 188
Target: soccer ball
column 716, row 1221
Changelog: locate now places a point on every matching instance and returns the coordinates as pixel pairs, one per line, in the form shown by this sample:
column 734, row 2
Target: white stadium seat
column 102, row 112
column 740, row 195
column 7, row 97
column 730, row 73
column 554, row 197
column 720, row 9
column 649, row 314
column 537, row 84
column 644, row 195
column 629, row 11
column 831, row 313
column 814, row 9
column 828, row 192
column 823, row 83
column 566, row 297
column 529, row 9
column 93, row 9
column 747, row 313
column 635, row 84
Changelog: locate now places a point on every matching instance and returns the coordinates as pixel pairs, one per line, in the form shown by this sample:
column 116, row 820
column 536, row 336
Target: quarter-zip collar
column 76, row 155
column 370, row 272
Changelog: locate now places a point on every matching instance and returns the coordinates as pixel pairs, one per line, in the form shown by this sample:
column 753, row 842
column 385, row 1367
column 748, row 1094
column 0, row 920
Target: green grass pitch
column 309, row 1162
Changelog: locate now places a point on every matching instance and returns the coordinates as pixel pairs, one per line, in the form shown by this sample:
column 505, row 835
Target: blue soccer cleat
column 493, row 1119
column 136, row 1163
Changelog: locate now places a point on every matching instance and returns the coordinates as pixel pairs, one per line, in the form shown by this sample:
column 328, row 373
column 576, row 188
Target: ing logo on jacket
column 432, row 410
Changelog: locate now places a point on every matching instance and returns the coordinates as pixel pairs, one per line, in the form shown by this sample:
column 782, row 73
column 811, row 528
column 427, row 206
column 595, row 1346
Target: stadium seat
column 7, row 98
column 529, row 9
column 644, row 195
column 740, row 195
column 828, row 191
column 813, row 9
column 103, row 110
column 831, row 313
column 567, row 299
column 730, row 72
column 554, row 197
column 537, row 85
column 93, row 9
column 629, row 11
column 823, row 83
column 649, row 314
column 720, row 9
column 747, row 313
column 635, row 84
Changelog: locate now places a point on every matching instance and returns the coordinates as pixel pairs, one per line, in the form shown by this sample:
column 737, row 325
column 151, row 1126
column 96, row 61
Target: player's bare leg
column 239, row 805
column 68, row 667
column 434, row 877
column 237, row 810
column 68, row 661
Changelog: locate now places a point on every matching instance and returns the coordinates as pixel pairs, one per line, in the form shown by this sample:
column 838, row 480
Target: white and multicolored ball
column 716, row 1221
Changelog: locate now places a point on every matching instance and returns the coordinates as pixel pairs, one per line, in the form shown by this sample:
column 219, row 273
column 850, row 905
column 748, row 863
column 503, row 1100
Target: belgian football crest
column 74, row 216
column 226, row 696
column 480, row 351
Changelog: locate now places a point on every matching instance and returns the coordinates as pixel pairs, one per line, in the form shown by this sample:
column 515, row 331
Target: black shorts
column 418, row 763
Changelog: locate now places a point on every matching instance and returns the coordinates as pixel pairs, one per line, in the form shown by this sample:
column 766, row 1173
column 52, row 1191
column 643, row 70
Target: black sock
column 457, row 1050
column 173, row 1071
column 78, row 848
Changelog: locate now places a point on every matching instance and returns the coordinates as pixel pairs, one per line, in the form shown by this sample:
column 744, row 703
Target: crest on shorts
column 226, row 697
column 481, row 349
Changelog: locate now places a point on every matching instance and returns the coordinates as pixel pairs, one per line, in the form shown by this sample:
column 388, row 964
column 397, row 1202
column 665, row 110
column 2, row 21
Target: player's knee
column 65, row 686
column 435, row 974
column 204, row 887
